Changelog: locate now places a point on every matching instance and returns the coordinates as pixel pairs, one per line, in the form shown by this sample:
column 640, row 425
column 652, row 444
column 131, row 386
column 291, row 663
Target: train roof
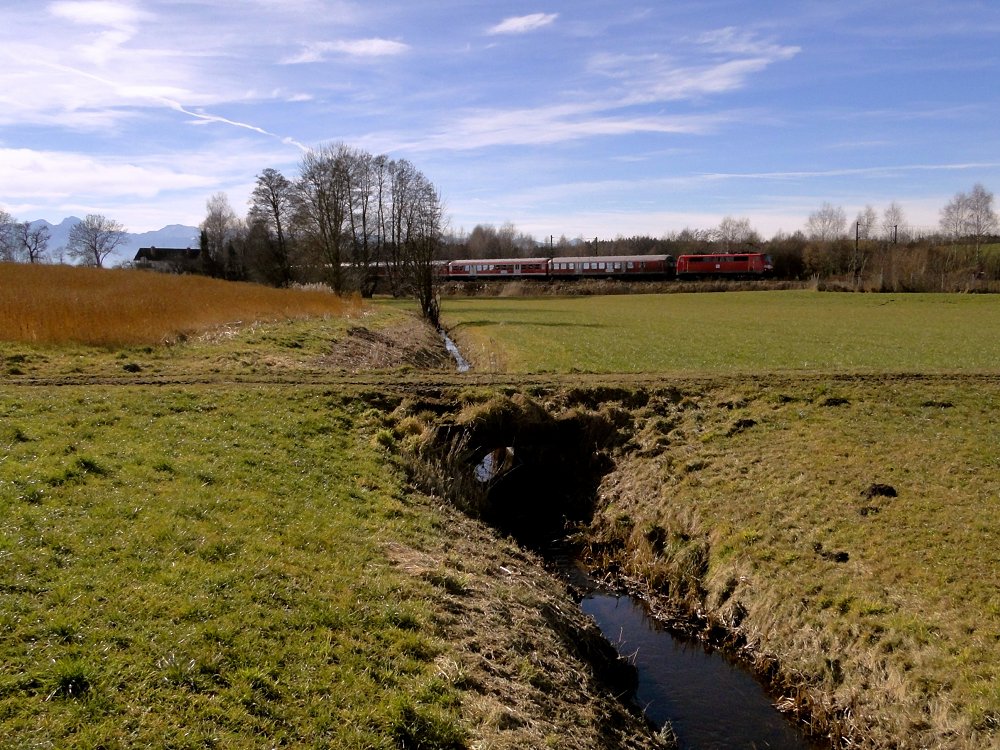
column 722, row 252
column 611, row 258
column 499, row 260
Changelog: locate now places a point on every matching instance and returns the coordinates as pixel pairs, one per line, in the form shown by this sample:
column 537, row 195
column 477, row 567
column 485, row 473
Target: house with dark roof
column 169, row 259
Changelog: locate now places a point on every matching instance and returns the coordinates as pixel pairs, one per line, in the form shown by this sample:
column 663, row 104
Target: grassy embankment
column 757, row 486
column 237, row 563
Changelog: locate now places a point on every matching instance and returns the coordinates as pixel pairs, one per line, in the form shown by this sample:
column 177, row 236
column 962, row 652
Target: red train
column 638, row 267
column 725, row 265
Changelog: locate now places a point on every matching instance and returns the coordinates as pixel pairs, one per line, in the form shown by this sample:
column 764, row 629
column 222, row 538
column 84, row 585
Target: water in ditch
column 461, row 363
column 711, row 702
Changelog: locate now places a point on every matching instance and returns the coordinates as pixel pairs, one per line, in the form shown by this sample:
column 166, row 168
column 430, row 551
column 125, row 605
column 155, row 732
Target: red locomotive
column 724, row 265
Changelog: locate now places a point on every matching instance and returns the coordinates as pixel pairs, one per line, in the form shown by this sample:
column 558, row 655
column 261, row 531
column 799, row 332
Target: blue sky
column 584, row 119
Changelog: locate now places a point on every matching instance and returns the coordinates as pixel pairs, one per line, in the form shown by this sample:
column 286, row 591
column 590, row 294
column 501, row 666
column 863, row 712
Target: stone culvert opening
column 522, row 470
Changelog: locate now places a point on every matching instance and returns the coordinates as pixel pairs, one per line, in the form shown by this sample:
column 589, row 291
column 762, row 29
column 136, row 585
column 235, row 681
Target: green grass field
column 730, row 332
column 748, row 489
column 196, row 567
column 213, row 543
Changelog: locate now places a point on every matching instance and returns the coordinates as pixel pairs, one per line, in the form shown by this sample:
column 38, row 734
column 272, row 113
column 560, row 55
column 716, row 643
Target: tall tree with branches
column 31, row 241
column 94, row 239
column 7, row 235
column 219, row 230
column 272, row 203
column 322, row 207
column 418, row 226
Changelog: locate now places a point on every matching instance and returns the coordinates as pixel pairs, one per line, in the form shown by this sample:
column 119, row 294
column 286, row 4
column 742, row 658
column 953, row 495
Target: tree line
column 348, row 219
column 878, row 249
column 352, row 220
column 90, row 242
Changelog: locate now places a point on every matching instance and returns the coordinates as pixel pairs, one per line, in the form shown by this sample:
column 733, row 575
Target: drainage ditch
column 534, row 476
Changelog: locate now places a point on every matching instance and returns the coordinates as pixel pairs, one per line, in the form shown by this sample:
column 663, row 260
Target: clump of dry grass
column 97, row 307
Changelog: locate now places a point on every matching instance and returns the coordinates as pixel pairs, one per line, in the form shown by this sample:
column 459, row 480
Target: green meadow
column 198, row 567
column 730, row 332
column 213, row 542
column 219, row 541
column 818, row 474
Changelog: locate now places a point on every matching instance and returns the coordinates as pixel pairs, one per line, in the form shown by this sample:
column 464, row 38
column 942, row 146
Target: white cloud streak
column 357, row 48
column 523, row 24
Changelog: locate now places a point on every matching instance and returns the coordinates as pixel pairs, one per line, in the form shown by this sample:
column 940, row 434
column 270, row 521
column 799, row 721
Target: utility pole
column 857, row 256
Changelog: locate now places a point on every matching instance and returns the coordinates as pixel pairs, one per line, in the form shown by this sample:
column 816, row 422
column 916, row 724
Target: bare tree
column 893, row 223
column 272, row 204
column 31, row 241
column 94, row 239
column 366, row 188
column 955, row 216
column 982, row 220
column 826, row 224
column 7, row 243
column 219, row 229
column 323, row 203
column 421, row 228
column 733, row 233
column 970, row 215
column 865, row 223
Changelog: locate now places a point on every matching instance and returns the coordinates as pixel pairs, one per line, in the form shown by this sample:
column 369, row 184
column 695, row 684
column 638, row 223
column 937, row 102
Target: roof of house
column 153, row 254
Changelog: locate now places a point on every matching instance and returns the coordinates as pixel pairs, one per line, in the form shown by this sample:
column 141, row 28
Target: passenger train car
column 626, row 267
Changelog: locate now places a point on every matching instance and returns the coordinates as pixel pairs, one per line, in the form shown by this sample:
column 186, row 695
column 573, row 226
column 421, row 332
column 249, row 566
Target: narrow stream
column 461, row 362
column 711, row 701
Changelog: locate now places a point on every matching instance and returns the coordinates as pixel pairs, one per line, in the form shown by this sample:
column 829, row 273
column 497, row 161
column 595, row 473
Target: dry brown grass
column 755, row 507
column 98, row 307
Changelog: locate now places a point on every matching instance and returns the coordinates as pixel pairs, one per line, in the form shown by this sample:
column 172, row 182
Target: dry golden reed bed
column 66, row 304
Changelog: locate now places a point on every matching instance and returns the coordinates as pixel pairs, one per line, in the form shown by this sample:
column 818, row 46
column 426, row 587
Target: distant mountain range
column 175, row 235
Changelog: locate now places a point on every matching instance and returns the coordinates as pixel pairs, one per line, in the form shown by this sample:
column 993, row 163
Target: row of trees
column 866, row 249
column 347, row 219
column 90, row 242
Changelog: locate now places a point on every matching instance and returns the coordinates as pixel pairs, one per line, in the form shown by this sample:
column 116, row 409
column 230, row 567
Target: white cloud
column 655, row 77
column 58, row 175
column 523, row 24
column 318, row 51
column 732, row 41
column 96, row 13
column 144, row 192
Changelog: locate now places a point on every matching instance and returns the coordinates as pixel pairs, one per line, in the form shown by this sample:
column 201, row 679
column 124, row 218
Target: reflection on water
column 711, row 702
